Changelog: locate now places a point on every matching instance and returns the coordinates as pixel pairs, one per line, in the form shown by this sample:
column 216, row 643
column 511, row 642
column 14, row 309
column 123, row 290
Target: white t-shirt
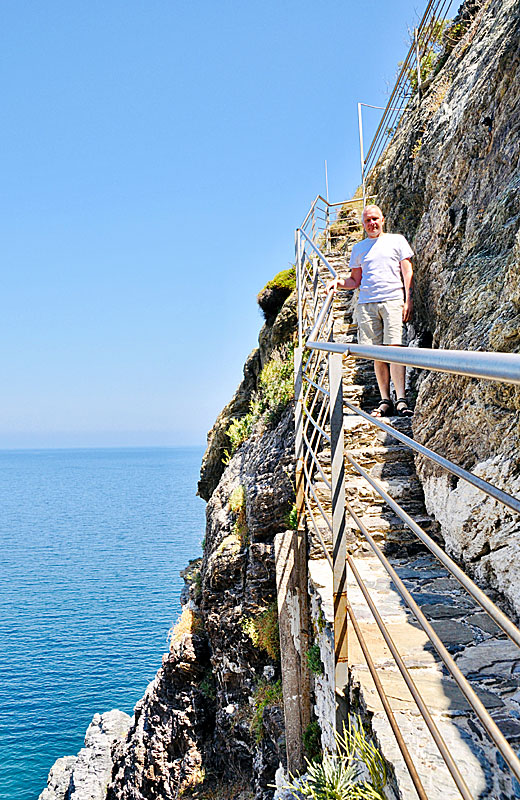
column 380, row 259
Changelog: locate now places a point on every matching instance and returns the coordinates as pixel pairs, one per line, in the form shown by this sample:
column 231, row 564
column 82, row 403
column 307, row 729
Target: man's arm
column 346, row 283
column 407, row 273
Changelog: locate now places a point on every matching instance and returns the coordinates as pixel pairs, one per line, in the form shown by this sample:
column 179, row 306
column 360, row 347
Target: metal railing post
column 299, row 287
column 339, row 555
column 418, row 59
column 361, row 154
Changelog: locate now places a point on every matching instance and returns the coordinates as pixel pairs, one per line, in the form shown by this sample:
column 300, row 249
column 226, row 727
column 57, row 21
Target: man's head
column 373, row 221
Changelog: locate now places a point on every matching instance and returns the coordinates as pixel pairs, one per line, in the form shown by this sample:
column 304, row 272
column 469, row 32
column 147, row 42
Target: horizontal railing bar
column 487, row 721
column 387, row 707
column 479, row 483
column 317, row 464
column 473, row 364
column 421, row 705
column 315, row 498
column 315, row 424
column 318, row 533
column 481, row 598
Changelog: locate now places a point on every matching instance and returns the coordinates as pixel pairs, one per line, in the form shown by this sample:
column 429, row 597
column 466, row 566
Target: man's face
column 373, row 222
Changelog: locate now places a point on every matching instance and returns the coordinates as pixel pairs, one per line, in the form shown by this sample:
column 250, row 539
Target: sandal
column 385, row 408
column 405, row 410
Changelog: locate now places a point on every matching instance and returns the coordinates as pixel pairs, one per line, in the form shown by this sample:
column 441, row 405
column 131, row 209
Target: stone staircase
column 482, row 652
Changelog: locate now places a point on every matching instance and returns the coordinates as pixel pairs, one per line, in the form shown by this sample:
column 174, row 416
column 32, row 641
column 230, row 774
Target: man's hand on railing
column 333, row 284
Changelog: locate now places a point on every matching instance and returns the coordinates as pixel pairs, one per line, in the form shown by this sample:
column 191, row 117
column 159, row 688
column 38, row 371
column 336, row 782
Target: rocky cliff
column 450, row 181
column 213, row 716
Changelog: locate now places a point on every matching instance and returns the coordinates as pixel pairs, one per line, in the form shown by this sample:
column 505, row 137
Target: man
column 380, row 265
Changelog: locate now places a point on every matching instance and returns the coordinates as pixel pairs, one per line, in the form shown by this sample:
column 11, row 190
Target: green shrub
column 237, row 499
column 207, row 685
column 277, row 383
column 237, row 503
column 291, row 518
column 275, row 293
column 286, row 279
column 276, row 390
column 312, row 741
column 263, row 631
column 238, row 432
column 266, row 694
column 314, row 659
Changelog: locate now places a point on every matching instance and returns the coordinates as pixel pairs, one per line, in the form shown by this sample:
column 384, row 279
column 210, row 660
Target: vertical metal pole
column 416, row 38
column 338, row 536
column 326, row 182
column 361, row 154
column 299, row 287
column 327, row 213
column 315, row 295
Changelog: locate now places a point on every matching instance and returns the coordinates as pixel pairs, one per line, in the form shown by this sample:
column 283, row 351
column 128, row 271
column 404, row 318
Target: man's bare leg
column 383, row 378
column 398, row 373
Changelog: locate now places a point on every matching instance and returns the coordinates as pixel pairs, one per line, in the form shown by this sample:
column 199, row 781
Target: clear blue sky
column 156, row 158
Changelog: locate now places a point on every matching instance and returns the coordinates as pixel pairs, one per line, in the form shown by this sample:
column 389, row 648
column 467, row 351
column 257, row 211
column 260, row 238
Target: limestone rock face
column 238, row 584
column 212, row 464
column 162, row 754
column 450, row 182
column 272, row 335
column 86, row 776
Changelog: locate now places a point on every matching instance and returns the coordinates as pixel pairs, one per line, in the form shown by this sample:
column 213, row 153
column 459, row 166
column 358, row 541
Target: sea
column 91, row 545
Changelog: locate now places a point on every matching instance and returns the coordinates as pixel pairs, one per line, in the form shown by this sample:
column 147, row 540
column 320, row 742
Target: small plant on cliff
column 291, row 518
column 207, row 685
column 277, row 383
column 188, row 622
column 276, row 390
column 340, row 776
column 312, row 741
column 266, row 694
column 275, row 293
column 314, row 659
column 263, row 631
column 237, row 504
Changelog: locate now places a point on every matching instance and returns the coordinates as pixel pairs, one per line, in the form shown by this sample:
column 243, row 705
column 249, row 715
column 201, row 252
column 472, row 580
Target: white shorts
column 380, row 323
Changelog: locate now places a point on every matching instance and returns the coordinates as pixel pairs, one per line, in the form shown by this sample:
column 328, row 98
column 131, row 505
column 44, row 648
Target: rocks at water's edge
column 86, row 776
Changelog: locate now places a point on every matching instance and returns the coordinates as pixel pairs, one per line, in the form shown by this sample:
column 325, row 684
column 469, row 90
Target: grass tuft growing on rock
column 275, row 293
column 275, row 391
column 312, row 741
column 237, row 504
column 263, row 631
column 266, row 694
column 314, row 659
column 188, row 622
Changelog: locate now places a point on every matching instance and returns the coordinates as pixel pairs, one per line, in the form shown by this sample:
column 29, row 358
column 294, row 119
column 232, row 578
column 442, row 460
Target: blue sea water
column 91, row 544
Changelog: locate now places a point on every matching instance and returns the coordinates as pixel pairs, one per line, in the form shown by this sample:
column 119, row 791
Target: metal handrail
column 492, row 728
column 504, row 367
column 489, row 365
column 400, row 96
column 479, row 483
